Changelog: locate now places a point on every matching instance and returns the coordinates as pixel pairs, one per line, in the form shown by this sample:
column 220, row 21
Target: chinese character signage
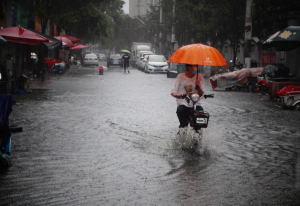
column 268, row 58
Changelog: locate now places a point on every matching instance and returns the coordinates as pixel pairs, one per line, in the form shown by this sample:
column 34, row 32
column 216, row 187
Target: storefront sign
column 268, row 58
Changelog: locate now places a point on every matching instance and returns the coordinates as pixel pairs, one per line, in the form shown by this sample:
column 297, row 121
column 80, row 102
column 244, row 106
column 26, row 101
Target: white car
column 90, row 59
column 143, row 62
column 138, row 60
column 156, row 63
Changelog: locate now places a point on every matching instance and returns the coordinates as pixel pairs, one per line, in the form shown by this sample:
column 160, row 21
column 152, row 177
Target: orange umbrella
column 198, row 54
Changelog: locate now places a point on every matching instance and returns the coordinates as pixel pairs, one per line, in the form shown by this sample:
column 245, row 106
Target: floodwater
column 109, row 140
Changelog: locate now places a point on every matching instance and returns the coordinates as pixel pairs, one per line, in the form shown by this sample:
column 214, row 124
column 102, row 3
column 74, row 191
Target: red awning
column 73, row 39
column 21, row 35
column 66, row 41
column 80, row 46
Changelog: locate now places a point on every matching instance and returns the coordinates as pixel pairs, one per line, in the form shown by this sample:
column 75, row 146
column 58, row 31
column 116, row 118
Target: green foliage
column 87, row 20
column 269, row 16
column 201, row 21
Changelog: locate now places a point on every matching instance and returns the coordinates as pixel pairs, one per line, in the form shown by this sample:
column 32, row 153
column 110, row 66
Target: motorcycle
column 263, row 84
column 59, row 68
column 198, row 119
column 235, row 67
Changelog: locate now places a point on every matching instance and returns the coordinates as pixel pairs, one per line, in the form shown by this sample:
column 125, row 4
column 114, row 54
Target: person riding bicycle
column 184, row 85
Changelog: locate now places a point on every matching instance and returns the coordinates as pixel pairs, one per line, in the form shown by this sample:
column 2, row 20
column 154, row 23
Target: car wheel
column 297, row 107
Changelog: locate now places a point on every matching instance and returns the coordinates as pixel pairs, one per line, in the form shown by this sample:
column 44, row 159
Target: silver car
column 102, row 57
column 90, row 59
column 157, row 64
column 140, row 56
column 143, row 62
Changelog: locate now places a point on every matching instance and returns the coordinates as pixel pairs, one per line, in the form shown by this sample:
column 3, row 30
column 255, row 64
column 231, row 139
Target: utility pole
column 173, row 25
column 248, row 33
column 160, row 23
column 173, row 39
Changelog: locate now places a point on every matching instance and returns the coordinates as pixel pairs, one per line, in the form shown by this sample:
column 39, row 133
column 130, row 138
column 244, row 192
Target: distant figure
column 72, row 59
column 101, row 70
column 126, row 58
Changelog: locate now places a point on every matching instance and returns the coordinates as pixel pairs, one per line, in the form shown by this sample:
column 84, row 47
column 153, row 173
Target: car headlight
column 151, row 66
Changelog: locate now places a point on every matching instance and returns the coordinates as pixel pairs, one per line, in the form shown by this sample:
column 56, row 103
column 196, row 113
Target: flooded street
column 90, row 139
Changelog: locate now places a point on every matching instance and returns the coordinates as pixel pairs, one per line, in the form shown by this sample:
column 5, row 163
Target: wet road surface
column 108, row 140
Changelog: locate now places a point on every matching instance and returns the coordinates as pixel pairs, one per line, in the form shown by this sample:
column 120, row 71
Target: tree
column 269, row 16
column 87, row 20
column 202, row 21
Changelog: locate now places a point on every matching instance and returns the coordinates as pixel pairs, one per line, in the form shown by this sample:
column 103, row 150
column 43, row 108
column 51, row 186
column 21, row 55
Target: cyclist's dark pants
column 183, row 115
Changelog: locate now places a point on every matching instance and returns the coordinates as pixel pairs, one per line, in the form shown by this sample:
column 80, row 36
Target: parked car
column 115, row 59
column 156, row 63
column 141, row 57
column 101, row 57
column 90, row 59
column 143, row 62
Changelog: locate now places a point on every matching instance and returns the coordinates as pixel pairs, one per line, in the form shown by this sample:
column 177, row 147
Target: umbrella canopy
column 53, row 43
column 2, row 40
column 65, row 40
column 73, row 39
column 80, row 46
column 125, row 51
column 198, row 54
column 285, row 40
column 21, row 35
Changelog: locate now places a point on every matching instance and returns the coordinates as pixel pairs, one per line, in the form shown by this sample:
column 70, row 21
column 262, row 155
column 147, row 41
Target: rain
column 90, row 130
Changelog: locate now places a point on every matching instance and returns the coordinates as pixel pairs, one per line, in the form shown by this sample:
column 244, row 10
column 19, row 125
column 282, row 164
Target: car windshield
column 91, row 56
column 155, row 58
column 145, row 55
column 145, row 52
column 115, row 56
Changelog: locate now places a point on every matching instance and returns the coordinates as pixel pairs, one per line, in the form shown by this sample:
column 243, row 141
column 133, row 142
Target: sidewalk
column 36, row 83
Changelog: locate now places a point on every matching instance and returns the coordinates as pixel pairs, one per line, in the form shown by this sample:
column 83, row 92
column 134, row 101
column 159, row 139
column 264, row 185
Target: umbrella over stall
column 2, row 40
column 284, row 40
column 73, row 39
column 66, row 42
column 80, row 46
column 21, row 35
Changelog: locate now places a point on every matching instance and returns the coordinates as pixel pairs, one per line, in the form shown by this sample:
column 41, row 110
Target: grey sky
column 126, row 6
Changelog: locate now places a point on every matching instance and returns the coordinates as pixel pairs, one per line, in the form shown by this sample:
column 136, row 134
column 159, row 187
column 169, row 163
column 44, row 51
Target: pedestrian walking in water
column 126, row 58
column 101, row 70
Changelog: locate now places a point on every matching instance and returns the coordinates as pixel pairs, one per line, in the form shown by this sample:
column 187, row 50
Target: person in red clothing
column 101, row 70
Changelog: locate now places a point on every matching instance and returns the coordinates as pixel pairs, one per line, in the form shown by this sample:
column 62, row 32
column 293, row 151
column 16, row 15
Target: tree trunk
column 44, row 23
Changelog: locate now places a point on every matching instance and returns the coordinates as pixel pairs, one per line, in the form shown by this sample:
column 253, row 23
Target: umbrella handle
column 197, row 86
